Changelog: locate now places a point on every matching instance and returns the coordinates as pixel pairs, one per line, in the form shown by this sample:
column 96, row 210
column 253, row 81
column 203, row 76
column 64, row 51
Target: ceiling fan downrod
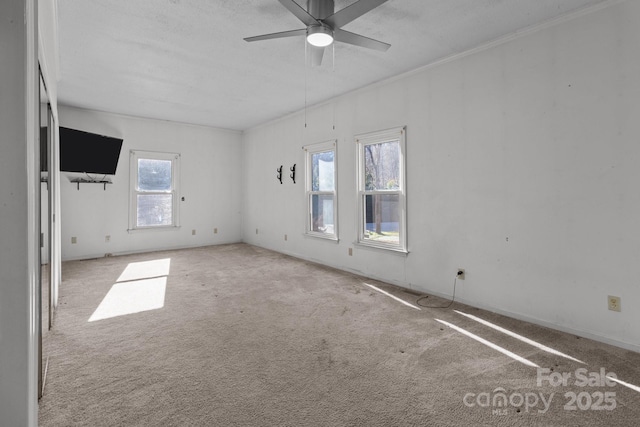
column 320, row 9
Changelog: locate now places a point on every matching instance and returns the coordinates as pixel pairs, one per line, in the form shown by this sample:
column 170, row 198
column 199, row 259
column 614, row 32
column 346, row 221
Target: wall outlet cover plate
column 614, row 303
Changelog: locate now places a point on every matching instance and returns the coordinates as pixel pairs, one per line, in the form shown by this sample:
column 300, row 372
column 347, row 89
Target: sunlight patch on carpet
column 131, row 297
column 628, row 385
column 140, row 287
column 392, row 296
column 145, row 270
column 490, row 344
column 519, row 337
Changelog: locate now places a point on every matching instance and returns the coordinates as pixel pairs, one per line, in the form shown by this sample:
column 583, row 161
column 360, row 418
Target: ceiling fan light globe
column 319, row 36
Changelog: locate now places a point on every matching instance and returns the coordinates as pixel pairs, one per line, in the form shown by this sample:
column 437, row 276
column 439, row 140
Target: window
column 154, row 190
column 381, row 189
column 322, row 210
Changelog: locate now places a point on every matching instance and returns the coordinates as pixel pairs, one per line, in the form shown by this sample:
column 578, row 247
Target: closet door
column 45, row 292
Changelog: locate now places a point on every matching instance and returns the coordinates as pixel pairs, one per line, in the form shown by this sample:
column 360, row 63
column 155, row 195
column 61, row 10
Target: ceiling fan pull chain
column 305, row 82
column 333, row 95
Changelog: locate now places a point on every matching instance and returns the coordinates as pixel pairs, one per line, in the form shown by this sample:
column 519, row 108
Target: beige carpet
column 250, row 337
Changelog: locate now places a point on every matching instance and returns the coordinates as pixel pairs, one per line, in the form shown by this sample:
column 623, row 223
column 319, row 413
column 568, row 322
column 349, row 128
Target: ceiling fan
column 324, row 25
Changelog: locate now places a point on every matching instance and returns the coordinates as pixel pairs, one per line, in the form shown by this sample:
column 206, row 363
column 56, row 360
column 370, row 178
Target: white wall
column 522, row 169
column 209, row 182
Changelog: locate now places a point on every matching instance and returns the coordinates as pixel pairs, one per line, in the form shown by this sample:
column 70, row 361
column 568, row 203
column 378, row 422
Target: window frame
column 134, row 156
column 310, row 150
column 380, row 137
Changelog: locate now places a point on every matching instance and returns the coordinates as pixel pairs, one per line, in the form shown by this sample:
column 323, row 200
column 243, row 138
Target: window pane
column 154, row 175
column 382, row 218
column 155, row 209
column 322, row 214
column 322, row 171
column 382, row 166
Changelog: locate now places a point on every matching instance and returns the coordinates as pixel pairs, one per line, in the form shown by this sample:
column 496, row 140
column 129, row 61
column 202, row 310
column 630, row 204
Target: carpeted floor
column 243, row 336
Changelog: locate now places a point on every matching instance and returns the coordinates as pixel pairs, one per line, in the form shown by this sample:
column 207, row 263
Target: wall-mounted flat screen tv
column 88, row 152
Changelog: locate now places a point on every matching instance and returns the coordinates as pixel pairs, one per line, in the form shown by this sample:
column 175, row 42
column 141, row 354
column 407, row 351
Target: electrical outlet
column 193, row 232
column 460, row 274
column 215, row 231
column 614, row 303
column 74, row 240
column 107, row 238
column 350, row 251
column 256, row 231
column 285, row 237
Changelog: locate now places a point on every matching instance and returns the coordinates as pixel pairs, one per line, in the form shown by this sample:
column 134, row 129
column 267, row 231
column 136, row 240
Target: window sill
column 331, row 238
column 390, row 249
column 146, row 229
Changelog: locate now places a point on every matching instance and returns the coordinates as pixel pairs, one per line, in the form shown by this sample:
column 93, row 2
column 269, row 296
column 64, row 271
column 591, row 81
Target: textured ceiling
column 186, row 60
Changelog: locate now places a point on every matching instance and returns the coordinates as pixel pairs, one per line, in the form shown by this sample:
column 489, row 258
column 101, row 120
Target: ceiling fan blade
column 316, row 54
column 299, row 12
column 358, row 40
column 351, row 12
column 277, row 35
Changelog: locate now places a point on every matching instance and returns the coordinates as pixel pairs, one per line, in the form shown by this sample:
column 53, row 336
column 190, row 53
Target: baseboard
column 143, row 251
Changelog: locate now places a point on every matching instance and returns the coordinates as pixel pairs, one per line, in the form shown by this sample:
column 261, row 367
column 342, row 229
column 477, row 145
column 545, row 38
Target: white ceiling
column 186, row 60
